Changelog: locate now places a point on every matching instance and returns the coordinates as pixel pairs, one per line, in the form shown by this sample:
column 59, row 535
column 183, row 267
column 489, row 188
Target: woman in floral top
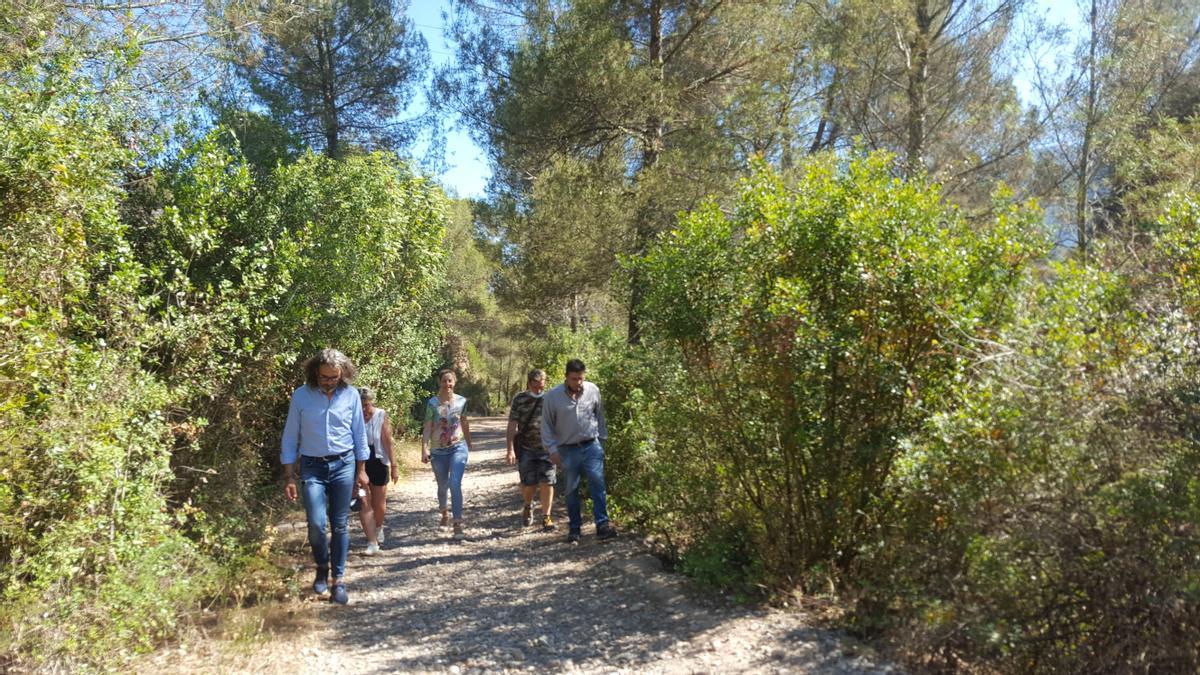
column 445, row 442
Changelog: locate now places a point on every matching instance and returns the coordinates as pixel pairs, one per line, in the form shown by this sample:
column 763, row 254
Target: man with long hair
column 325, row 443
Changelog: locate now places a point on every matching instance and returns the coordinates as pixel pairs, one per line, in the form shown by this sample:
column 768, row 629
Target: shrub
column 92, row 564
column 799, row 340
column 251, row 278
column 1049, row 520
column 151, row 328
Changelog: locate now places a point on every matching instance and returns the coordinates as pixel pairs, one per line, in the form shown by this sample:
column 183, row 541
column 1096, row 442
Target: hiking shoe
column 572, row 537
column 458, row 531
column 372, row 548
column 547, row 524
column 445, row 522
column 606, row 532
column 321, row 583
column 339, row 594
column 379, row 535
column 527, row 515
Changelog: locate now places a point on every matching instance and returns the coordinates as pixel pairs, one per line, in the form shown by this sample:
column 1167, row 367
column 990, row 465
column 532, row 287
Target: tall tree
column 645, row 91
column 1128, row 68
column 336, row 72
column 931, row 81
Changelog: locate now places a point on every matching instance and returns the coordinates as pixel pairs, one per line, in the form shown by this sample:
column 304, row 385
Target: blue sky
column 467, row 173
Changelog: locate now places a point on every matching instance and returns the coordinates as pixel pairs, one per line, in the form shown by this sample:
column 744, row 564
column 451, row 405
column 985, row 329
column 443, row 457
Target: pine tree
column 336, row 72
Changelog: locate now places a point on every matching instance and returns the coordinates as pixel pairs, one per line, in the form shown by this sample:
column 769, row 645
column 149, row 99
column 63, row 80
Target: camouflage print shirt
column 526, row 411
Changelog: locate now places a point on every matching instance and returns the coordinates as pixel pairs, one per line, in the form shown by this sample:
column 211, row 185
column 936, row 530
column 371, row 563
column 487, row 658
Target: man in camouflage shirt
column 526, row 451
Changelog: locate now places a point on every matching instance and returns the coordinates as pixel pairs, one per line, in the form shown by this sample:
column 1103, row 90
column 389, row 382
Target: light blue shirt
column 319, row 426
column 567, row 421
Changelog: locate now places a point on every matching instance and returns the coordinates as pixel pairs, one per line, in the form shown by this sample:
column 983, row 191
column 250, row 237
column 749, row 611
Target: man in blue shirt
column 325, row 442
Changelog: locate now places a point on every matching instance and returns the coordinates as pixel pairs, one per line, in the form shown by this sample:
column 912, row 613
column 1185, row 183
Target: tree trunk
column 329, row 112
column 826, row 128
column 1082, row 230
column 918, row 88
column 651, row 149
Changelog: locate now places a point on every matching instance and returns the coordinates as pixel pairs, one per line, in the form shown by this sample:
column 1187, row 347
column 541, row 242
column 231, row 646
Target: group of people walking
column 337, row 452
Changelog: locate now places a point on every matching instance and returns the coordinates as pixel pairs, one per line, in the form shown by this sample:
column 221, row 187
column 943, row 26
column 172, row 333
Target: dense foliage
column 804, row 339
column 850, row 388
column 88, row 551
column 152, row 326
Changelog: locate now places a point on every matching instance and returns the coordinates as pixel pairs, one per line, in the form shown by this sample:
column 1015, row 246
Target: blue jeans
column 585, row 459
column 327, row 489
column 449, row 465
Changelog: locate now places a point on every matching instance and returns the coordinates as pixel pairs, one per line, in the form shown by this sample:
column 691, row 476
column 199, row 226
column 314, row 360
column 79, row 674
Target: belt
column 580, row 444
column 329, row 458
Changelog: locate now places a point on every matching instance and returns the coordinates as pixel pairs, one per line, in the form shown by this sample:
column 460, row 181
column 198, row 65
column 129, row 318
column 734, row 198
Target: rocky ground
column 508, row 599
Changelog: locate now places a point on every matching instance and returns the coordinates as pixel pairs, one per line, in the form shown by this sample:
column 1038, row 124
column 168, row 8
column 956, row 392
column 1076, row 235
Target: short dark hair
column 575, row 366
column 535, row 374
column 443, row 371
column 329, row 357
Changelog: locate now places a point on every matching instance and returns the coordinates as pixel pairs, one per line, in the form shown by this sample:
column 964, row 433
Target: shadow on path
column 510, row 597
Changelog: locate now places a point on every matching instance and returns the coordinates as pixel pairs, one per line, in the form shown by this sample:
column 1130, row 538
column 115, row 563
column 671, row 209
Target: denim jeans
column 327, row 489
column 587, row 460
column 449, row 465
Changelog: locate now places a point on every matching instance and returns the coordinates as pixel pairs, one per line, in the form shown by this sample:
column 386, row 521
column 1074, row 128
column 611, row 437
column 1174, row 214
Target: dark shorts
column 377, row 472
column 536, row 469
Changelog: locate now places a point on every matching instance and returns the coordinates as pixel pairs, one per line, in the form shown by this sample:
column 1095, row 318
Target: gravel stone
column 514, row 599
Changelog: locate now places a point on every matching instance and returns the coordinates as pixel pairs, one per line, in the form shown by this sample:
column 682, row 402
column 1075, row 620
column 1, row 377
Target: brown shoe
column 527, row 515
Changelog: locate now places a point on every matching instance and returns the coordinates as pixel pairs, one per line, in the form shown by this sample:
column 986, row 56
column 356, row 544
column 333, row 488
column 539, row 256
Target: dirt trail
column 514, row 599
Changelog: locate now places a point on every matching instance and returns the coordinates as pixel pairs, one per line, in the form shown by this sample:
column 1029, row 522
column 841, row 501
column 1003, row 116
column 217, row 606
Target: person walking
column 445, row 444
column 524, row 440
column 381, row 466
column 572, row 428
column 325, row 443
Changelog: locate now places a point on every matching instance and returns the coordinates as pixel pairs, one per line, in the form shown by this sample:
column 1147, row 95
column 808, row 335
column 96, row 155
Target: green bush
column 560, row 344
column 92, row 564
column 1050, row 519
column 994, row 459
column 796, row 343
column 249, row 277
column 152, row 323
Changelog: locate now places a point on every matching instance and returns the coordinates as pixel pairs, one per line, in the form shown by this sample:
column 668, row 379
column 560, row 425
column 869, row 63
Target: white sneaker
column 379, row 535
column 372, row 548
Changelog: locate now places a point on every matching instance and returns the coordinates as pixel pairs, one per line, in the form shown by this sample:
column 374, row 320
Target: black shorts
column 377, row 471
column 536, row 468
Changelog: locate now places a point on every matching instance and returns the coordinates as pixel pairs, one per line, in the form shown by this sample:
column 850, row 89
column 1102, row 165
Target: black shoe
column 572, row 537
column 606, row 532
column 321, row 583
column 339, row 594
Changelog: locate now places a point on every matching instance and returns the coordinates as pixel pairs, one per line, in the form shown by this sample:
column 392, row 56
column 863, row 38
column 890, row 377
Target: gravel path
column 515, row 599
